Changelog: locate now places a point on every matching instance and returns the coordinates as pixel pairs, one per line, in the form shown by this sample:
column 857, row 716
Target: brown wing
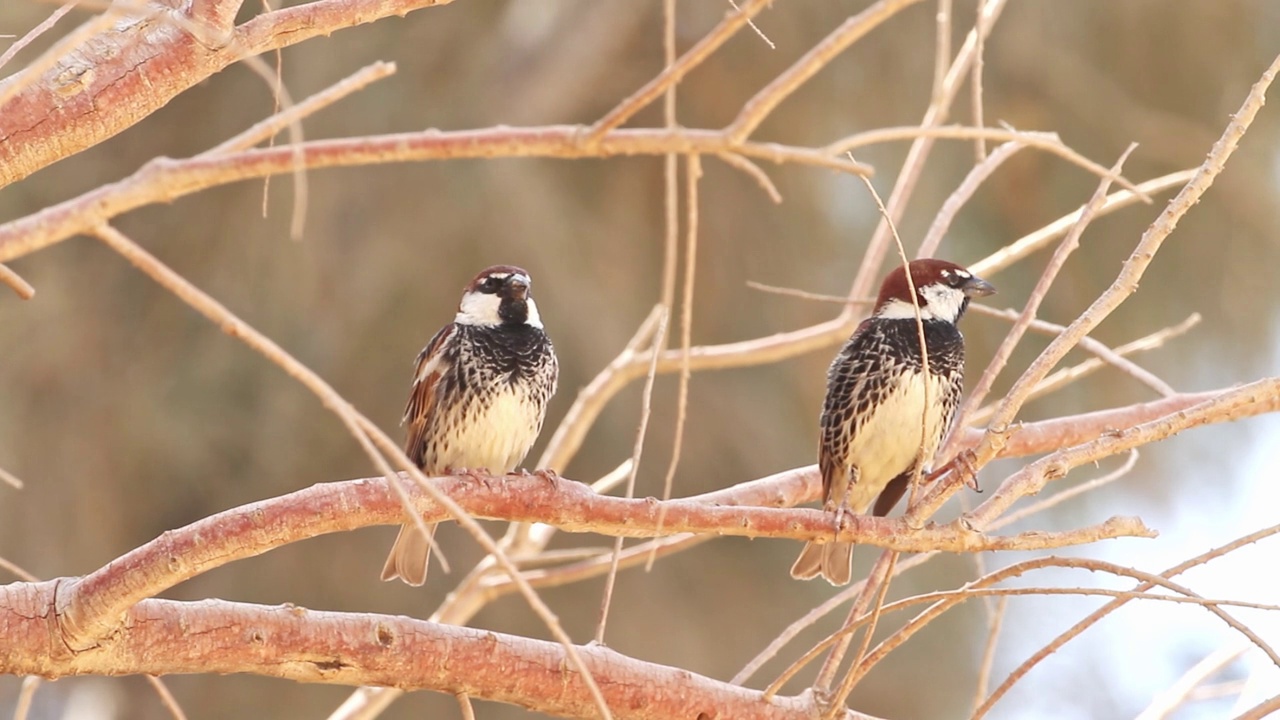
column 892, row 493
column 419, row 412
column 848, row 381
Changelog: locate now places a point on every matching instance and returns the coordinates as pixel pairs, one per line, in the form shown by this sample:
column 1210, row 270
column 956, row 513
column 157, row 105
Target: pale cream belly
column 891, row 440
column 496, row 437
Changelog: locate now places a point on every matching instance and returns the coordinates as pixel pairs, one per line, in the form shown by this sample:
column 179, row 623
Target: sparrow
column 480, row 392
column 870, row 428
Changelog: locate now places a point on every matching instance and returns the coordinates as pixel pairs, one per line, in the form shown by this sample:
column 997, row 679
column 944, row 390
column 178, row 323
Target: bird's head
column 499, row 295
column 943, row 290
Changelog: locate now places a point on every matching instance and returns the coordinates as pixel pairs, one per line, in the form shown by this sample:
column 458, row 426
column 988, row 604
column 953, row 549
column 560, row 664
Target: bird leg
column 842, row 511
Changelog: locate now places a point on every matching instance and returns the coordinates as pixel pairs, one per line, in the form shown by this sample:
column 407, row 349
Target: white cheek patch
column 944, row 302
column 903, row 310
column 940, row 303
column 481, row 309
column 535, row 319
column 478, row 308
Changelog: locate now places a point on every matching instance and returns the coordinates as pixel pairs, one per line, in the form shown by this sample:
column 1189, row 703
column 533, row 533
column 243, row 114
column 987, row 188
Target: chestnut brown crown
column 943, row 291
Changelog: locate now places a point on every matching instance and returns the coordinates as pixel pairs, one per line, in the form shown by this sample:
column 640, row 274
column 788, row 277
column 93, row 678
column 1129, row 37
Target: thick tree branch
column 164, row 180
column 91, row 606
column 1262, row 395
column 365, row 649
column 94, row 604
column 132, row 67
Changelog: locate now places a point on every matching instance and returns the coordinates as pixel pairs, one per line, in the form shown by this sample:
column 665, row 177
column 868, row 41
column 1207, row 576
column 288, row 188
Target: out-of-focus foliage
column 128, row 414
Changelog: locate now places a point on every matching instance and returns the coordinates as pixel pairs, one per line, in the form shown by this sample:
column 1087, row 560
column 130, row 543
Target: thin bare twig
column 692, row 175
column 946, row 599
column 983, row 585
column 271, row 126
column 17, row 570
column 1033, row 477
column 1061, row 378
column 1048, row 142
column 166, row 698
column 20, row 287
column 10, row 479
column 26, row 695
column 941, row 48
column 34, row 33
column 464, row 706
column 859, row 588
column 975, row 87
column 166, row 180
column 1021, row 248
column 1038, row 293
column 882, row 579
column 763, row 103
column 988, row 661
column 591, row 399
column 1104, row 353
column 659, row 340
column 756, row 28
column 1165, row 703
column 1265, row 709
column 1110, row 607
column 978, row 175
column 806, row 295
column 673, row 73
column 753, row 171
column 1134, row 267
column 1057, row 498
column 918, row 154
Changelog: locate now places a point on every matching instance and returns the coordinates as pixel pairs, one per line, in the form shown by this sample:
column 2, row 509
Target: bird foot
column 480, row 475
column 840, row 515
column 551, row 476
column 966, row 464
column 963, row 465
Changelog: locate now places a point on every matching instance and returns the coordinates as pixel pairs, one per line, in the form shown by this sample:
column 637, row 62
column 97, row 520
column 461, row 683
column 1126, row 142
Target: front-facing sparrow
column 875, row 409
column 480, row 391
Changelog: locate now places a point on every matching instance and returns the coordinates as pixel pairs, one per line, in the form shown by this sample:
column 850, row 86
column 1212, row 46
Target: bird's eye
column 491, row 284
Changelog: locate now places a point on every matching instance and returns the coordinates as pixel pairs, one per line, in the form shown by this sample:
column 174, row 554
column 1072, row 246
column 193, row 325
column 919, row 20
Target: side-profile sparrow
column 871, row 439
column 480, row 392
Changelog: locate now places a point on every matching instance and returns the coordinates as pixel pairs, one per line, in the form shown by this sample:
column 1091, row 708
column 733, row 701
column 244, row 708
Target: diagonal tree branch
column 164, row 180
column 90, row 606
column 130, row 68
column 759, row 108
column 367, row 649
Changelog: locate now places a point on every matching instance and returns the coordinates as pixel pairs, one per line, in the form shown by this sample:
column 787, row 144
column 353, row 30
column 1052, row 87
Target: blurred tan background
column 127, row 414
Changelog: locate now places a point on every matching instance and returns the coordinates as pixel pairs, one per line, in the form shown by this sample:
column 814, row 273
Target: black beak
column 977, row 287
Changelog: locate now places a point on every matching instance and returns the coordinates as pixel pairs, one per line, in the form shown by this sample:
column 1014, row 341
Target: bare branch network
column 133, row 58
